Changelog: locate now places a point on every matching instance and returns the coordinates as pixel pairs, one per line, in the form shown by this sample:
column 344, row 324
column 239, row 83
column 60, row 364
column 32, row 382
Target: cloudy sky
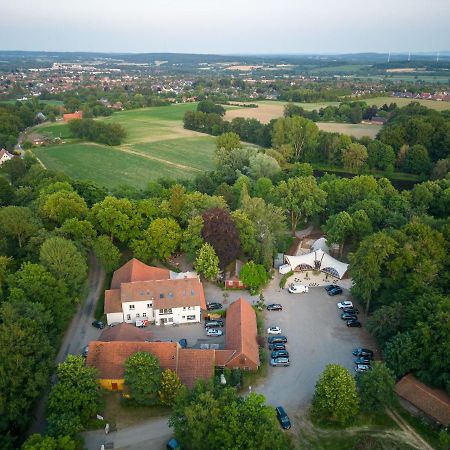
column 225, row 26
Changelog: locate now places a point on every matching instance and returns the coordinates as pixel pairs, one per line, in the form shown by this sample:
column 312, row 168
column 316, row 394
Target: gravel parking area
column 317, row 336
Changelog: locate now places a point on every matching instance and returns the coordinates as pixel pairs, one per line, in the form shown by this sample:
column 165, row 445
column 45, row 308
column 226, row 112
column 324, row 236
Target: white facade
column 144, row 310
column 4, row 156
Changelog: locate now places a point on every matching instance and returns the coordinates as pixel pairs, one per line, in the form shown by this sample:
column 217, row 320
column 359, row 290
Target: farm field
column 432, row 104
column 357, row 130
column 157, row 145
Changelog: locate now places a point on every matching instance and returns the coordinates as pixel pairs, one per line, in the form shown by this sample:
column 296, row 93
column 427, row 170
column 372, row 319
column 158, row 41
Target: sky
column 226, row 26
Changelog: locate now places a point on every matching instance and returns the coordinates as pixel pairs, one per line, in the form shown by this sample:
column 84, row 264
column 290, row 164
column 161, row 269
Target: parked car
column 298, row 289
column 212, row 332
column 351, row 310
column 330, row 287
column 277, row 346
column 362, row 368
column 348, row 316
column 183, row 343
column 362, row 352
column 336, row 291
column 85, row 351
column 274, row 307
column 213, row 305
column 283, row 418
column 354, row 323
column 362, row 360
column 345, row 304
column 279, row 354
column 214, row 323
column 112, row 325
column 173, row 444
column 277, row 339
column 98, row 324
column 274, row 330
column 279, row 362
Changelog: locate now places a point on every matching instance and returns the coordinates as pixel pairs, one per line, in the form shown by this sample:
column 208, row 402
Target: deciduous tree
column 107, row 253
column 254, row 276
column 64, row 205
column 207, row 262
column 18, row 222
column 354, row 157
column 170, row 387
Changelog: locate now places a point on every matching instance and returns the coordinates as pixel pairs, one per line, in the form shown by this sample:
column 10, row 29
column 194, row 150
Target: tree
column 440, row 170
column 64, row 261
column 38, row 442
column 220, row 231
column 80, row 231
column 254, row 276
column 302, row 198
column 380, row 156
column 192, row 237
column 338, row 228
column 74, row 400
column 170, row 387
column 228, row 141
column 209, row 417
column 159, row 240
column 107, row 253
column 376, row 387
column 402, row 354
column 6, row 192
column 143, row 376
column 247, row 232
column 354, row 157
column 335, row 398
column 262, row 165
column 296, row 131
column 64, row 205
column 18, row 222
column 116, row 217
column 5, row 264
column 207, row 262
column 417, row 160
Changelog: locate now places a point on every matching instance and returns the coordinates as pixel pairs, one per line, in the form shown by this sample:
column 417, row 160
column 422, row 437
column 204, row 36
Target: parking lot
column 317, row 336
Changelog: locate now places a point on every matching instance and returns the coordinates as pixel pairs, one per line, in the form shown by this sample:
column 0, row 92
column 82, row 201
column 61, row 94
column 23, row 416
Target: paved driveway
column 316, row 337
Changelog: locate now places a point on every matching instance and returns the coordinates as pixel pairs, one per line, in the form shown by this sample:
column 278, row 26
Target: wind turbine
column 409, row 56
column 389, row 57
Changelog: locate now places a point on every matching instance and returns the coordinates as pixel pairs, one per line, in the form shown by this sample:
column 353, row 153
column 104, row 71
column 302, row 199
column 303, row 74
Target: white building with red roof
column 5, row 156
column 141, row 292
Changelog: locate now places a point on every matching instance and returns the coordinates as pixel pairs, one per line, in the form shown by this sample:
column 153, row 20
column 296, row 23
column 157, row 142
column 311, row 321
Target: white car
column 362, row 368
column 213, row 332
column 298, row 289
column 274, row 330
column 345, row 304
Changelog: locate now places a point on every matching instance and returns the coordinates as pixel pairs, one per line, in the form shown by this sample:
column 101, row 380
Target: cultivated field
column 157, row 145
column 358, row 130
column 432, row 104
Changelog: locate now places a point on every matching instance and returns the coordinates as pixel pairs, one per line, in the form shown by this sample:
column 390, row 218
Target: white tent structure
column 318, row 260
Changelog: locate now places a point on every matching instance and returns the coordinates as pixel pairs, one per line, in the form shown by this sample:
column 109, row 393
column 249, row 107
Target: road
column 152, row 434
column 78, row 334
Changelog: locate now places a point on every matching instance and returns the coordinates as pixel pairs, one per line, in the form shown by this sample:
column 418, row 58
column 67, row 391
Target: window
column 165, row 311
column 143, row 315
column 190, row 317
column 183, row 317
column 192, row 292
column 128, row 317
column 161, row 295
column 170, row 319
column 149, row 305
column 131, row 306
column 170, row 295
column 141, row 293
column 138, row 315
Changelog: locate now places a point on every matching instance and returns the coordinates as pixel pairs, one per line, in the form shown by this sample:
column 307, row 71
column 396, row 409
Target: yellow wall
column 108, row 384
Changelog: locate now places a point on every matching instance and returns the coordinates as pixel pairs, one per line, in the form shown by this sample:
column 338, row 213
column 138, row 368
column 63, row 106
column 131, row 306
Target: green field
column 432, row 104
column 156, row 146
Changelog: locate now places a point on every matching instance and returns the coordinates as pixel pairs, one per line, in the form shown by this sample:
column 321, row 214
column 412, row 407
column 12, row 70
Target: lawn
column 156, row 146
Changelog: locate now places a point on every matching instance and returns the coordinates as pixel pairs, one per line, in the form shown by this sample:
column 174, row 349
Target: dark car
column 279, row 354
column 354, row 323
column 277, row 346
column 98, row 324
column 362, row 352
column 183, row 343
column 362, row 360
column 348, row 316
column 350, row 310
column 330, row 287
column 336, row 291
column 214, row 323
column 283, row 418
column 274, row 307
column 173, row 444
column 213, row 305
column 277, row 339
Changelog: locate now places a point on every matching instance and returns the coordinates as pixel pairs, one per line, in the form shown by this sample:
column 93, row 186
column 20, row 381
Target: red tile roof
column 135, row 270
column 241, row 332
column 223, row 356
column 109, row 357
column 195, row 364
column 125, row 332
column 433, row 402
column 113, row 303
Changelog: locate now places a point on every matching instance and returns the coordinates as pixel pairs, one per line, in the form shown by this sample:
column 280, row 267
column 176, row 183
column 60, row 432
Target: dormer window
column 161, row 295
column 170, row 295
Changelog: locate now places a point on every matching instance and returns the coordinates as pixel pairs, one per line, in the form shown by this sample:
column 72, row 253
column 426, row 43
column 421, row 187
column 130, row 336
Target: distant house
column 434, row 403
column 5, row 156
column 158, row 295
column 71, row 116
column 378, row 120
column 40, row 117
column 232, row 272
column 109, row 353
